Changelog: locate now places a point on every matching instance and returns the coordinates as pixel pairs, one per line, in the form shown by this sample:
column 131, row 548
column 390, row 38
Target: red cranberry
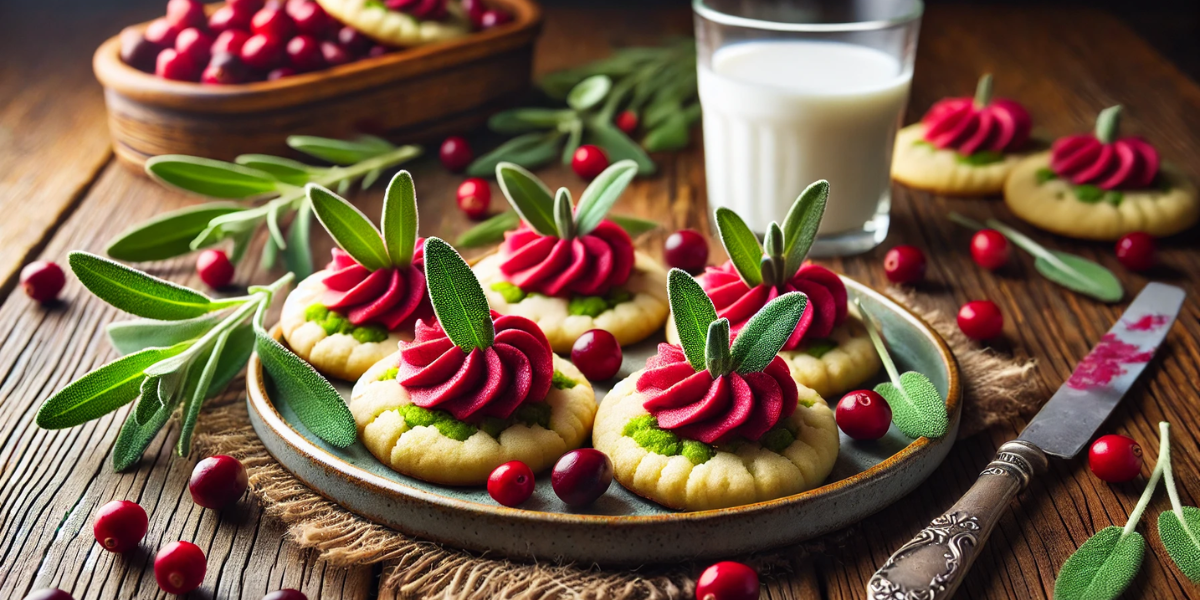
column 727, row 580
column 224, row 69
column 137, row 51
column 474, row 10
column 378, row 50
column 273, row 21
column 990, row 249
column 280, row 73
column 455, row 153
column 511, row 483
column 589, row 161
column 352, row 41
column 120, row 525
column 179, row 567
column 863, row 415
column 217, row 481
column 262, row 52
column 1115, row 458
column 43, row 280
column 597, row 355
column 49, row 594
column 1136, row 251
column 173, row 65
column 493, row 18
column 334, row 54
column 214, row 268
column 686, row 249
column 904, row 264
column 581, row 476
column 310, row 18
column 627, row 121
column 196, row 44
column 227, row 18
column 286, row 594
column 980, row 319
column 246, row 7
column 230, row 42
column 304, row 53
column 162, row 32
column 474, row 198
column 186, row 13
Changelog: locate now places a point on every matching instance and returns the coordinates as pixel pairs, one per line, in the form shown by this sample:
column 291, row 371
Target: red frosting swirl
column 1001, row 125
column 588, row 265
column 517, row 368
column 698, row 406
column 736, row 301
column 424, row 10
column 394, row 298
column 1126, row 163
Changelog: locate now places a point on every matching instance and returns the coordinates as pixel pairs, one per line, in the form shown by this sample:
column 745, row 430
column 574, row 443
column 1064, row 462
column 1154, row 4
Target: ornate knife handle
column 933, row 564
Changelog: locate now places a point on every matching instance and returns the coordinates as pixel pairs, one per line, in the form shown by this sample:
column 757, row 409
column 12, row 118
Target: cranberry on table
column 353, row 41
column 581, row 476
column 455, row 153
column 179, row 567
column 904, row 264
column 980, row 319
column 511, row 483
column 310, row 18
column 686, row 249
column 474, row 197
column 627, row 121
column 285, row 594
column 304, row 53
column 217, row 481
column 334, row 54
column 727, row 580
column 227, row 18
column 49, row 594
column 863, row 415
column 186, row 13
column 597, row 355
column 230, row 42
column 43, row 280
column 137, row 51
column 1115, row 458
column 493, row 18
column 262, row 52
column 589, row 161
column 272, row 20
column 196, row 44
column 120, row 525
column 214, row 268
column 176, row 66
column 1136, row 251
column 162, row 32
column 989, row 249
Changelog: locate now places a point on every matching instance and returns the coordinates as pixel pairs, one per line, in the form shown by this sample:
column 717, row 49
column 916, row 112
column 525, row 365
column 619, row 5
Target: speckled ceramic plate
column 622, row 528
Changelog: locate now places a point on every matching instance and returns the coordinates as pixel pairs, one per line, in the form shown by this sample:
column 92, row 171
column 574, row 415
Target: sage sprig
column 354, row 232
column 1071, row 271
column 555, row 214
column 492, row 230
column 1178, row 528
column 787, row 245
column 458, row 299
column 918, row 409
column 275, row 181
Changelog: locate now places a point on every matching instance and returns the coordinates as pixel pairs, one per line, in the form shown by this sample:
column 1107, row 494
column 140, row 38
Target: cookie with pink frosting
column 1101, row 186
column 963, row 146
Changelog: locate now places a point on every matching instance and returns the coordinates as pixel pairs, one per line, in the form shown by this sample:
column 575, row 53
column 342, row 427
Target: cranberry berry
column 43, row 280
column 230, row 42
column 273, row 21
column 511, row 483
column 227, row 18
column 49, row 594
column 162, row 32
column 224, row 69
column 262, row 52
column 686, row 249
column 1136, row 251
column 196, row 44
column 217, row 481
column 352, row 41
column 474, row 198
column 137, row 51
column 581, row 476
column 980, row 319
column 120, row 525
column 727, row 580
column 455, row 153
column 904, row 264
column 214, row 268
column 493, row 18
column 597, row 355
column 304, row 53
column 285, row 594
column 334, row 54
column 176, row 66
column 1115, row 458
column 589, row 161
column 179, row 567
column 627, row 121
column 474, row 10
column 989, row 249
column 246, row 7
column 186, row 13
column 863, row 415
column 310, row 18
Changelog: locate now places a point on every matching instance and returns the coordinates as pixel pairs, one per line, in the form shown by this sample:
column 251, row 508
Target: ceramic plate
column 622, row 528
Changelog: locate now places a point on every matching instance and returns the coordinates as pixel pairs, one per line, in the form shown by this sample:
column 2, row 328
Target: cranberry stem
column 983, row 91
column 1164, row 461
column 1107, row 124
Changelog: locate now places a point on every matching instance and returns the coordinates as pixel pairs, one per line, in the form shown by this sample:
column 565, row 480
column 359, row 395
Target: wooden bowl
column 414, row 94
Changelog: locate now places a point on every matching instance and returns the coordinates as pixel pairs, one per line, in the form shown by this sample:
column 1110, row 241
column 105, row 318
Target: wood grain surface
column 61, row 193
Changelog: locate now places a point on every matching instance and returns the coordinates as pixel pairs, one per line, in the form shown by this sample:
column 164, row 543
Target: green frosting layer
column 537, row 413
column 389, row 374
column 1090, row 194
column 819, row 348
column 1045, row 174
column 562, row 382
column 645, row 431
column 777, row 440
column 333, row 323
column 592, row 306
column 511, row 293
column 979, row 159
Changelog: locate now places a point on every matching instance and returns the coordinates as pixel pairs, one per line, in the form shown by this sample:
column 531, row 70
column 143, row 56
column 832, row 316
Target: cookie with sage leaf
column 350, row 315
column 570, row 269
column 474, row 390
column 408, row 24
column 708, row 424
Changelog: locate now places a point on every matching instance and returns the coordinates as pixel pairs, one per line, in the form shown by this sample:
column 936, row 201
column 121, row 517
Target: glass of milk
column 800, row 90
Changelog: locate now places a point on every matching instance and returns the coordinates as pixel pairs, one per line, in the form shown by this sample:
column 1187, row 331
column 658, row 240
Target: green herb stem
column 880, row 347
column 983, row 91
column 1164, row 463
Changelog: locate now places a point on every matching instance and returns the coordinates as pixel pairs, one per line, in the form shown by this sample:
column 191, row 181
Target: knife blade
column 933, row 564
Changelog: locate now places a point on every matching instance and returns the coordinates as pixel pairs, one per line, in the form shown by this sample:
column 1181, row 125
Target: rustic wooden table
column 61, row 190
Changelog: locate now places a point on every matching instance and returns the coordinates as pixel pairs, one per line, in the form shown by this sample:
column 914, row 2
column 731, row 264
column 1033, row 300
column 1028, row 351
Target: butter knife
column 934, row 563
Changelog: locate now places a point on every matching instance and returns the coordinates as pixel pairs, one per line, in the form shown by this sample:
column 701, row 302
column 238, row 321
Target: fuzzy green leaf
column 138, row 293
column 633, row 225
column 349, row 227
column 766, row 332
column 283, row 169
column 716, row 350
column 400, row 219
column 589, row 92
column 101, row 391
column 528, row 196
column 212, row 178
column 137, row 335
column 918, row 410
column 340, row 152
column 134, row 437
column 298, row 254
column 693, row 311
column 317, row 403
column 800, row 225
column 1181, row 538
column 167, row 235
column 200, row 377
column 617, row 145
column 564, row 214
column 458, row 299
column 574, row 139
column 490, row 231
column 600, row 195
column 741, row 244
column 1081, row 275
column 1102, row 567
column 530, row 150
column 521, row 120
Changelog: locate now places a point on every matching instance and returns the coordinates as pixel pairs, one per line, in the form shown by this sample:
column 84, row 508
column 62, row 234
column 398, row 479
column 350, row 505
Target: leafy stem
column 918, row 409
column 1163, row 464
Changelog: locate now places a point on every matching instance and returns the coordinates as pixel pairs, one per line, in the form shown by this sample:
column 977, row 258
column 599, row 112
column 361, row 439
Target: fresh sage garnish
column 140, row 294
column 787, row 245
column 492, row 230
column 354, row 232
column 741, row 245
column 918, row 409
column 458, row 299
column 761, row 338
column 555, row 214
column 169, row 234
column 1178, row 528
column 692, row 311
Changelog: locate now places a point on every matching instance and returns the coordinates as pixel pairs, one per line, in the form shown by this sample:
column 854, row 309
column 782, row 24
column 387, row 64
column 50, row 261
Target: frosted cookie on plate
column 569, row 269
column 711, row 425
column 472, row 391
column 1101, row 186
column 401, row 23
column 963, row 146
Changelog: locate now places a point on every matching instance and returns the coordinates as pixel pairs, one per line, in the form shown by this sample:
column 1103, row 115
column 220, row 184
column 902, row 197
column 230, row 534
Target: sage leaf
column 101, row 391
column 134, row 438
column 741, row 244
column 138, row 293
column 212, row 178
column 531, row 151
column 370, row 178
column 800, row 225
column 521, row 120
column 400, row 219
column 167, row 235
column 617, row 145
column 241, row 242
column 761, row 338
column 589, row 92
column 633, row 225
column 1181, row 538
column 490, row 231
column 564, row 214
column 134, row 336
column 716, row 349
column 1081, row 275
column 671, row 134
column 528, row 196
column 692, row 311
column 298, row 255
column 574, row 139
column 349, row 227
column 270, row 252
column 601, row 194
column 340, row 152
column 274, row 212
column 918, row 409
column 1102, row 567
column 237, row 353
column 151, row 401
column 458, row 299
column 283, row 169
column 196, row 391
column 316, row 402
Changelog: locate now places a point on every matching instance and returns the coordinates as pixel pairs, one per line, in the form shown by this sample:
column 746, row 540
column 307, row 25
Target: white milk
column 780, row 115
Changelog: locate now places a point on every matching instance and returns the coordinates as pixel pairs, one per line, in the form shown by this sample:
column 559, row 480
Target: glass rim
column 716, row 16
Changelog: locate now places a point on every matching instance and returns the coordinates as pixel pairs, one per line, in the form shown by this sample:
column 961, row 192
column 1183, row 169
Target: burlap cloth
column 995, row 388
